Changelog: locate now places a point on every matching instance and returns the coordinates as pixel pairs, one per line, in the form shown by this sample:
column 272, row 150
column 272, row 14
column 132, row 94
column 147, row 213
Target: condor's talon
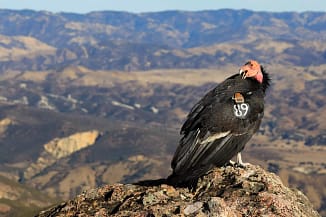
column 231, row 163
column 237, row 164
column 239, row 161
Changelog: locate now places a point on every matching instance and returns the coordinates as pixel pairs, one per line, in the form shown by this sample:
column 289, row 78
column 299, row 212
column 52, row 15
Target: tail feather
column 176, row 180
column 155, row 182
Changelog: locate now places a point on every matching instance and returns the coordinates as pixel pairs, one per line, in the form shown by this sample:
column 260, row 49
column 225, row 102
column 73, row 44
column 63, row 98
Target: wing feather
column 199, row 158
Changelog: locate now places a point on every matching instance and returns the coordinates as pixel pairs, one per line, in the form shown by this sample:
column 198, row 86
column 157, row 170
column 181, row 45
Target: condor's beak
column 243, row 73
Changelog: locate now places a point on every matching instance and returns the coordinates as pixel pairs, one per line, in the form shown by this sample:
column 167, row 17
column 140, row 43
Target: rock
column 4, row 124
column 193, row 208
column 227, row 191
column 59, row 148
column 63, row 147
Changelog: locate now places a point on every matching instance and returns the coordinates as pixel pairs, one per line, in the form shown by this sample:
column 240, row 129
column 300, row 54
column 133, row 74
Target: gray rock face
column 227, row 191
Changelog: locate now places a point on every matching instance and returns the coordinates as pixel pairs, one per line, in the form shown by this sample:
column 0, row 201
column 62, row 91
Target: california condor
column 220, row 124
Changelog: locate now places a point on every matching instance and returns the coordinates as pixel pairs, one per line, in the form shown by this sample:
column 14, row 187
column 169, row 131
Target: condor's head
column 252, row 69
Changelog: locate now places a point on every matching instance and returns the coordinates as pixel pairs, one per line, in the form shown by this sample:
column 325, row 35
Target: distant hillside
column 171, row 39
column 103, row 95
column 19, row 200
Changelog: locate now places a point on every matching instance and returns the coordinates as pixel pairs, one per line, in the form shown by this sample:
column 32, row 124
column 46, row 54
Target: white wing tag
column 241, row 110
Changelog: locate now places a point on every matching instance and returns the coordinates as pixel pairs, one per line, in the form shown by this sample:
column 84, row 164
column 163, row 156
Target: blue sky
column 84, row 6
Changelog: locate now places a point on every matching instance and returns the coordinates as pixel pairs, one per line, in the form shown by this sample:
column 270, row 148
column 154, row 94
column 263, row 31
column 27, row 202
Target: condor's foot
column 239, row 162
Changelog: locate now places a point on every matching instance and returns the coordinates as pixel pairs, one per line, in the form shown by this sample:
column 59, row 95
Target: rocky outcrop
column 59, row 148
column 227, row 191
column 4, row 124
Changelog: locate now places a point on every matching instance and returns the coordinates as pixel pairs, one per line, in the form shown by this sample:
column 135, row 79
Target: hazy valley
column 102, row 96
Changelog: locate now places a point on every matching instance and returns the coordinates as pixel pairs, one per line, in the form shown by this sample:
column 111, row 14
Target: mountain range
column 173, row 39
column 101, row 96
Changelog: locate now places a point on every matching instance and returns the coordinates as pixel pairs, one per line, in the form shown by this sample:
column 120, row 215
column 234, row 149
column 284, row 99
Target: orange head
column 252, row 69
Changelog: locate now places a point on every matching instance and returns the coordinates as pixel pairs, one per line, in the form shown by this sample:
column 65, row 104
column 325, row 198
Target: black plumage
column 220, row 124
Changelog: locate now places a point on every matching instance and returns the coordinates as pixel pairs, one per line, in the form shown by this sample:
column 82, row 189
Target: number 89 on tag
column 241, row 110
